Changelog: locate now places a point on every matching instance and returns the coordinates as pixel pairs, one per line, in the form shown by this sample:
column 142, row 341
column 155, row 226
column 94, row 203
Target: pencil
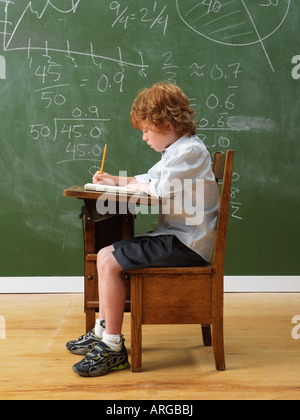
column 103, row 159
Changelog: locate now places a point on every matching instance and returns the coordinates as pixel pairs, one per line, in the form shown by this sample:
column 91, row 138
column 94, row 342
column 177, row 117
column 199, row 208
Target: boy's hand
column 103, row 178
column 139, row 186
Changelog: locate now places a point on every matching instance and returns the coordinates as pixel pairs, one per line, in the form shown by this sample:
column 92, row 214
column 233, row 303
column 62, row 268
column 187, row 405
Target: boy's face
column 159, row 141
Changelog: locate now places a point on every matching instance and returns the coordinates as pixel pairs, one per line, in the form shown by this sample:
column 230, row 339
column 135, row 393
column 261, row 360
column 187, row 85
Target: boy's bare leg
column 112, row 293
column 109, row 353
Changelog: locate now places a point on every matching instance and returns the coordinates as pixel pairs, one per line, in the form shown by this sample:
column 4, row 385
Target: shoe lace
column 87, row 335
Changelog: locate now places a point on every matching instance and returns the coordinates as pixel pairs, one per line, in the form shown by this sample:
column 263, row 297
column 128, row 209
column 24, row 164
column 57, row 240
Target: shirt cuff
column 153, row 190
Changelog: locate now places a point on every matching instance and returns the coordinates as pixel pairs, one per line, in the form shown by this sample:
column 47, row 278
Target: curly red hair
column 161, row 105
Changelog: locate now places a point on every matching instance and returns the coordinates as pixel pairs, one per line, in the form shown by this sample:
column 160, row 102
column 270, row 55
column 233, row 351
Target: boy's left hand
column 139, row 186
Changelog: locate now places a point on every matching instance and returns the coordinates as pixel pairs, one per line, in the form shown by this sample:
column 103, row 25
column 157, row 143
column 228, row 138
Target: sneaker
column 84, row 344
column 101, row 360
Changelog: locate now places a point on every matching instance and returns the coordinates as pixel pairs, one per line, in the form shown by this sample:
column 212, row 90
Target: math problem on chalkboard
column 70, row 69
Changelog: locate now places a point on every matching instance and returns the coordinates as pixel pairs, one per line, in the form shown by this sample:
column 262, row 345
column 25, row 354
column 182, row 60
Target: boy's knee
column 100, row 254
column 106, row 260
column 103, row 256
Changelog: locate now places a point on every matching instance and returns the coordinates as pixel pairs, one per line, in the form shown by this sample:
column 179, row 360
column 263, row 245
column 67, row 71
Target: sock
column 99, row 327
column 114, row 341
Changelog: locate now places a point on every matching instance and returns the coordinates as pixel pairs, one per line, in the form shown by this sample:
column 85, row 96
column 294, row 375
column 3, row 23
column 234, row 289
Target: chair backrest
column 222, row 169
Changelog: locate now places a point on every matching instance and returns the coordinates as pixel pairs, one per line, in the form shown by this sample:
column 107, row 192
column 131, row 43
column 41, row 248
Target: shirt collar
column 173, row 146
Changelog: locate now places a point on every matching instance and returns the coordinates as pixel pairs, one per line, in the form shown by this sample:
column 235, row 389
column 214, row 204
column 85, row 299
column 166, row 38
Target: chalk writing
column 215, row 109
column 169, row 67
column 153, row 17
column 100, row 75
column 50, row 72
column 215, row 72
column 80, row 134
column 233, row 22
column 29, row 8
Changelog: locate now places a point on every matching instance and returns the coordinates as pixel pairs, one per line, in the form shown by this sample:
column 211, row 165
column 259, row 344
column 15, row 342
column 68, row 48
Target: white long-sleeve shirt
column 184, row 179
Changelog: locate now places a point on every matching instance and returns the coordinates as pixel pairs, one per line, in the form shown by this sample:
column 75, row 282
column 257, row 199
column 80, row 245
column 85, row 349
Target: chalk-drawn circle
column 235, row 23
column 94, row 169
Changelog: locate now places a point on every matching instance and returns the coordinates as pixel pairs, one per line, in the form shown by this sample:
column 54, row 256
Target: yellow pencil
column 103, row 159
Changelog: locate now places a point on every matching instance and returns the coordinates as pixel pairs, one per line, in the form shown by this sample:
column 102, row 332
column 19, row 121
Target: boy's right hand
column 103, row 178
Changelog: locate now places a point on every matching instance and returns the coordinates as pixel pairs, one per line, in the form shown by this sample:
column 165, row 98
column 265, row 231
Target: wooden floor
column 263, row 360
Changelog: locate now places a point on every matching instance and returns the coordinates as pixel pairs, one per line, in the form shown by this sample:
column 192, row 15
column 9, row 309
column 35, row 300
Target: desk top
column 78, row 191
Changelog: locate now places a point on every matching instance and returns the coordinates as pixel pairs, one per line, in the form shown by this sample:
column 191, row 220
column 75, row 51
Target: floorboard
column 262, row 357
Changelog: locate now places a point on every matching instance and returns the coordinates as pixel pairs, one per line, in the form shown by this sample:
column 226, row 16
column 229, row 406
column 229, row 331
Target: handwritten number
column 270, row 3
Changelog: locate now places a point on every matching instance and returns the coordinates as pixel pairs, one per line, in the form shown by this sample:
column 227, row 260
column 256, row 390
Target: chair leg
column 218, row 345
column 90, row 314
column 206, row 334
column 136, row 346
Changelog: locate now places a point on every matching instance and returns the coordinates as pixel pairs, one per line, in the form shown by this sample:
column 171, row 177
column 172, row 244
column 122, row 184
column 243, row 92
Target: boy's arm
column 139, row 186
column 139, row 183
column 130, row 182
column 108, row 179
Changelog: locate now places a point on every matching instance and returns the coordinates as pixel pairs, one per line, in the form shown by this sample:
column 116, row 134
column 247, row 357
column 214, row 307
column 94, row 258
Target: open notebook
column 111, row 189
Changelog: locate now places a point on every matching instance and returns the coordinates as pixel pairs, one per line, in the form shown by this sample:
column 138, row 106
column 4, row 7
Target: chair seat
column 205, row 269
column 173, row 295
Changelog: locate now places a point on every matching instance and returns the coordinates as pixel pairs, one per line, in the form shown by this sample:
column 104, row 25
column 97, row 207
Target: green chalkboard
column 69, row 71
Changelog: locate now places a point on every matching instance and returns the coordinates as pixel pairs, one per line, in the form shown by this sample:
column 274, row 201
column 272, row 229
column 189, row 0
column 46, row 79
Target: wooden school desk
column 100, row 231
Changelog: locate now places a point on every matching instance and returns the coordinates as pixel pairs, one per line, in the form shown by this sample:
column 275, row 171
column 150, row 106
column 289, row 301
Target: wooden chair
column 186, row 295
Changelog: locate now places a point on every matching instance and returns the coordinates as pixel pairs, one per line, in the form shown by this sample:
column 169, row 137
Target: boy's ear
column 169, row 127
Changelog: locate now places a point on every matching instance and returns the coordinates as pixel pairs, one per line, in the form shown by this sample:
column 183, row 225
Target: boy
column 164, row 115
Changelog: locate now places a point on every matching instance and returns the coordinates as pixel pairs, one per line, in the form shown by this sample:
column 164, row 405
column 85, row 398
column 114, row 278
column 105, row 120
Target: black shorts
column 155, row 251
